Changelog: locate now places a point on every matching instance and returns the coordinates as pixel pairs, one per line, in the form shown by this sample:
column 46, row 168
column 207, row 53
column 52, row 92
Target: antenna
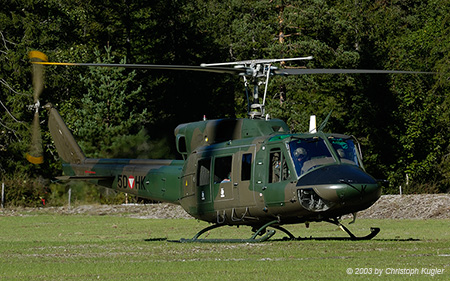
column 312, row 124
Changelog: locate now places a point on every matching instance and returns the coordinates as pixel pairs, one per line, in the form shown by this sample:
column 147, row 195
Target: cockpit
column 311, row 152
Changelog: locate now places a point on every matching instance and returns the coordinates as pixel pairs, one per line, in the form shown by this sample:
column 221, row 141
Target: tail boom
column 148, row 178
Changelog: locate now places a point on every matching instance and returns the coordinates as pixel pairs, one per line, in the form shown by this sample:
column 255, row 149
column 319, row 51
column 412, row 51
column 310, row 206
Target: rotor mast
column 256, row 74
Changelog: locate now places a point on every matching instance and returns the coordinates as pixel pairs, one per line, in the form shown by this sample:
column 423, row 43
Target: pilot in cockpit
column 301, row 155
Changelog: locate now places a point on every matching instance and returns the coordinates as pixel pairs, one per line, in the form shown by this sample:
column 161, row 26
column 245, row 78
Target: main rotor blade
column 35, row 155
column 259, row 61
column 228, row 70
column 301, row 71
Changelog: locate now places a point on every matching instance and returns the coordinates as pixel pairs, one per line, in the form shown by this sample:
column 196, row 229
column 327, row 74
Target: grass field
column 81, row 247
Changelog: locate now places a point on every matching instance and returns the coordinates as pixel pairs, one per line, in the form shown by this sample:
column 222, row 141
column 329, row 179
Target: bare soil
column 420, row 206
column 417, row 206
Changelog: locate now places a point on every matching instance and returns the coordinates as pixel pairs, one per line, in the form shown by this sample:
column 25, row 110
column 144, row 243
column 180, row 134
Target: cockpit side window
column 346, row 150
column 309, row 153
column 278, row 169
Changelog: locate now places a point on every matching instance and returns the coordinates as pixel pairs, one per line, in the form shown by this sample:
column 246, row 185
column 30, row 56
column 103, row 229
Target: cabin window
column 279, row 170
column 246, row 167
column 222, row 169
column 203, row 171
column 182, row 145
column 278, row 129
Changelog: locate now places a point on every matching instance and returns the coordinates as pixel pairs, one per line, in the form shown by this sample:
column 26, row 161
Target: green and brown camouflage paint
column 234, row 172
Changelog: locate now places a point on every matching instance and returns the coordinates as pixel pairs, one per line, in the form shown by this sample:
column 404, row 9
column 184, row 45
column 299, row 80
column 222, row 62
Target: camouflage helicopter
column 237, row 171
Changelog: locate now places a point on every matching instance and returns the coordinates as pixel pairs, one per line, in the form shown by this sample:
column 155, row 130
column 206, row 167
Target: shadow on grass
column 285, row 239
column 344, row 239
column 155, row 239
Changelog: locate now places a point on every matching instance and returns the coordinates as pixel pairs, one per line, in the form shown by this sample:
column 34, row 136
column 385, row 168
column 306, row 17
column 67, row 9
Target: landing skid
column 267, row 234
column 253, row 239
column 373, row 232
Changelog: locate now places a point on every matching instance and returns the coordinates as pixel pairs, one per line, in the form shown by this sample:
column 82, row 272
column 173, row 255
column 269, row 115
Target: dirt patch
column 149, row 211
column 420, row 206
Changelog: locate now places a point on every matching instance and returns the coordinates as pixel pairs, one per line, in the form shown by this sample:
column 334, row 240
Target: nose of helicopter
column 345, row 185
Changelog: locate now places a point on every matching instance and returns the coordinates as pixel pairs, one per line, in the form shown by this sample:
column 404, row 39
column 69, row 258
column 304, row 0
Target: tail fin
column 68, row 149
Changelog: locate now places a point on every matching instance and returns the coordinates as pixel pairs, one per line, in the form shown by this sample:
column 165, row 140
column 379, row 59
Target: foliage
column 400, row 120
column 109, row 116
column 83, row 193
column 23, row 190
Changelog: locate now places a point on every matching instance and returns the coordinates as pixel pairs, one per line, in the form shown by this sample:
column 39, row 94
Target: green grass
column 80, row 247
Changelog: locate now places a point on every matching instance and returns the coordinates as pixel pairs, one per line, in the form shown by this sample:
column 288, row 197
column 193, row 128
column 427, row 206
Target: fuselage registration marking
column 124, row 181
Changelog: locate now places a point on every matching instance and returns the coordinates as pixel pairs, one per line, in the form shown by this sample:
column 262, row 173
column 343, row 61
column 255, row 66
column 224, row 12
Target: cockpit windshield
column 346, row 150
column 309, row 153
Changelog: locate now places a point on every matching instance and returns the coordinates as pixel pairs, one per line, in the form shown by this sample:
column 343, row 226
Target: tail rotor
column 35, row 154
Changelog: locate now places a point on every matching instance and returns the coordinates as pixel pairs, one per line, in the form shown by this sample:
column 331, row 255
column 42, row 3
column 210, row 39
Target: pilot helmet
column 300, row 152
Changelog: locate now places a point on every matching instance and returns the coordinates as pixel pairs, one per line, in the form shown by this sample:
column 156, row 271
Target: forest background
column 401, row 121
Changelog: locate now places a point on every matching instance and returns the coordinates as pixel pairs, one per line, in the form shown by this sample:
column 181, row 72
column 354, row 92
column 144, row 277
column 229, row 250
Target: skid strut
column 373, row 232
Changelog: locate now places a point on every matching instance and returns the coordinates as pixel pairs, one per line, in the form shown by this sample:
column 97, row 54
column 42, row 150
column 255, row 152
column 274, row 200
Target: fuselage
column 255, row 180
column 237, row 171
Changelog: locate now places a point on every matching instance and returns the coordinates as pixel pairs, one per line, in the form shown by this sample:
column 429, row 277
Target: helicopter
column 236, row 171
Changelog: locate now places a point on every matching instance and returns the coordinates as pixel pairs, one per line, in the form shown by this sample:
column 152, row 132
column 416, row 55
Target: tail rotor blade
column 38, row 73
column 38, row 84
column 36, row 152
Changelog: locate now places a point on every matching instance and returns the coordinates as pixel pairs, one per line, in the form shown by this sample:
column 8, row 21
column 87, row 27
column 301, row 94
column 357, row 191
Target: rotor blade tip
column 38, row 55
column 35, row 160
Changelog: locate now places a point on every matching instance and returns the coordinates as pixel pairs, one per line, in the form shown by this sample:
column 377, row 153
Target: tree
column 400, row 120
column 109, row 119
